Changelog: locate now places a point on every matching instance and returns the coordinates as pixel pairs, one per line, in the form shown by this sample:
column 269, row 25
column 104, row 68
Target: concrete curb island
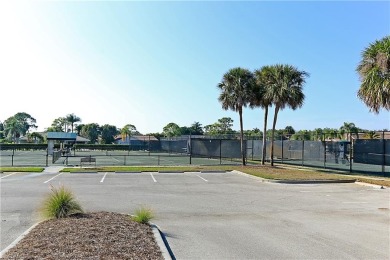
column 158, row 235
column 17, row 240
column 162, row 243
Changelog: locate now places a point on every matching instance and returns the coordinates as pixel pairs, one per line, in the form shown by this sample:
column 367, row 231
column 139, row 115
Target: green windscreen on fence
column 372, row 151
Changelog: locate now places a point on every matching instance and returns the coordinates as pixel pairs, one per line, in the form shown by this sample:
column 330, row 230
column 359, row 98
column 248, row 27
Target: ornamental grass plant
column 60, row 203
column 143, row 215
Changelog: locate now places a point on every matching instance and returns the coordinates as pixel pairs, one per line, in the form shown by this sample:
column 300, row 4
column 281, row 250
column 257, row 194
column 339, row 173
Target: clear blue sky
column 152, row 63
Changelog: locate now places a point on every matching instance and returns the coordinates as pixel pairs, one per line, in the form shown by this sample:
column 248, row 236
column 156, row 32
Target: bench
column 88, row 160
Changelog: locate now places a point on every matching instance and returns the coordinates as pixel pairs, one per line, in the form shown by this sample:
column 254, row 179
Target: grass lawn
column 266, row 172
column 21, row 169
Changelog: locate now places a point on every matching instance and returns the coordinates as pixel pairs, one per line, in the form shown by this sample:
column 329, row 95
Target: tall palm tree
column 72, row 118
column 374, row 71
column 260, row 99
column 285, row 84
column 236, row 90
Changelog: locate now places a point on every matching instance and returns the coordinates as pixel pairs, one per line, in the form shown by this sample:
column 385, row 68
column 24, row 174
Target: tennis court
column 341, row 166
column 106, row 158
column 24, row 158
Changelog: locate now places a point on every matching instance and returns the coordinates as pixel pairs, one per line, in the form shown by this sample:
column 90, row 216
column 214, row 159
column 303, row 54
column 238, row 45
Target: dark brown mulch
column 101, row 235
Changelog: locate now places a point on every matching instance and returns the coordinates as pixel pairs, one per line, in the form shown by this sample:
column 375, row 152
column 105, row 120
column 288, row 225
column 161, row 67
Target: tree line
column 23, row 124
column 278, row 86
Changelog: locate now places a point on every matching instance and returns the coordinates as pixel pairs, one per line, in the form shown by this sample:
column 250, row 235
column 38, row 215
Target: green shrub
column 28, row 146
column 143, row 215
column 102, row 147
column 60, row 203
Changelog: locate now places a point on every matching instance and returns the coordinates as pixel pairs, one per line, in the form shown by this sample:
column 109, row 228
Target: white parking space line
column 7, row 175
column 53, row 177
column 355, row 202
column 201, row 177
column 151, row 174
column 103, row 177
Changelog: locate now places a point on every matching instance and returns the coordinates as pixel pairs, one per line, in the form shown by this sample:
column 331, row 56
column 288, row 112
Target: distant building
column 135, row 140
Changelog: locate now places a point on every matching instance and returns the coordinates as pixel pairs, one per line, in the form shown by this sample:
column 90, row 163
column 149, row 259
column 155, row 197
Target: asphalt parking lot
column 221, row 215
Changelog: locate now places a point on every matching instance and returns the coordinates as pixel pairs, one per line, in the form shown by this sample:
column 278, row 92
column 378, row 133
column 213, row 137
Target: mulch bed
column 101, row 235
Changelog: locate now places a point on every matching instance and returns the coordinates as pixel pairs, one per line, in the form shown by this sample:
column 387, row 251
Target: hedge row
column 104, row 147
column 25, row 146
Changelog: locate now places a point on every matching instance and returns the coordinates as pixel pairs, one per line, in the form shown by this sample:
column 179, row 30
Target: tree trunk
column 264, row 136
column 242, row 136
column 273, row 134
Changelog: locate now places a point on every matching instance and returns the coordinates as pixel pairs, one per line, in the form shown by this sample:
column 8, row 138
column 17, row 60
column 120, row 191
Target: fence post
column 12, row 159
column 253, row 144
column 190, row 150
column 350, row 153
column 124, row 159
column 384, row 154
column 324, row 142
column 220, row 151
column 47, row 158
column 149, row 145
column 281, row 138
column 303, row 150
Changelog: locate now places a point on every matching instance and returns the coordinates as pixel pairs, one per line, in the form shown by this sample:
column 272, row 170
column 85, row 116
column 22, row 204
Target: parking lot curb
column 17, row 240
column 211, row 171
column 370, row 185
column 170, row 171
column 295, row 181
column 161, row 242
column 312, row 181
column 127, row 172
column 91, row 172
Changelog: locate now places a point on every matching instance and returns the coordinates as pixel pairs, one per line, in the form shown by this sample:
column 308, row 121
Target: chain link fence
column 356, row 153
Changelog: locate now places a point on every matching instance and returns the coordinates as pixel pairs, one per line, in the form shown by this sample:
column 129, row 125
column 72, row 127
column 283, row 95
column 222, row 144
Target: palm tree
column 236, row 88
column 259, row 99
column 349, row 129
column 318, row 135
column 374, row 71
column 284, row 88
column 371, row 135
column 196, row 129
column 72, row 118
column 127, row 132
